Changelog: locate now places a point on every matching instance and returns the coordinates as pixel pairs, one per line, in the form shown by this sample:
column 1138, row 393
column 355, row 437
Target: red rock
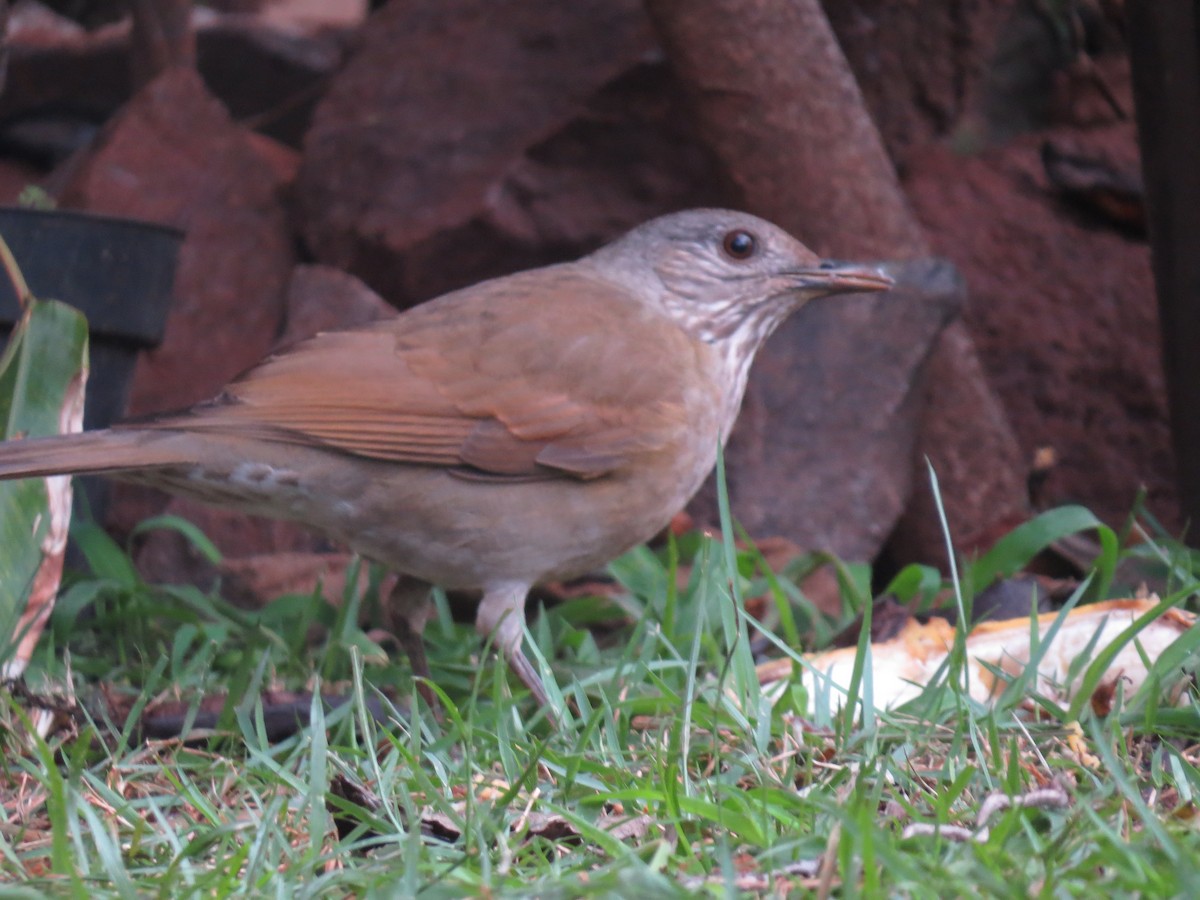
column 381, row 195
column 919, row 63
column 1063, row 312
column 321, row 298
column 408, row 150
column 628, row 155
column 174, row 156
column 283, row 160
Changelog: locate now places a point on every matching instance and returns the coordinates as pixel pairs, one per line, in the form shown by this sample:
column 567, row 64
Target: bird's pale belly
column 474, row 533
column 463, row 534
column 428, row 523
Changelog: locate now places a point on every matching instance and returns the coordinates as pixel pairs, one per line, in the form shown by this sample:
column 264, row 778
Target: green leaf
column 104, row 556
column 190, row 532
column 1102, row 662
column 42, row 372
column 1013, row 551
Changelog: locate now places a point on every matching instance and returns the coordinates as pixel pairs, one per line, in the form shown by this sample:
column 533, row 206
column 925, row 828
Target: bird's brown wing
column 504, row 379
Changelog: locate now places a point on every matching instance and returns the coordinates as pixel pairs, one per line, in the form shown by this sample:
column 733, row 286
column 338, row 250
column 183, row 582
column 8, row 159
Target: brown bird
column 528, row 428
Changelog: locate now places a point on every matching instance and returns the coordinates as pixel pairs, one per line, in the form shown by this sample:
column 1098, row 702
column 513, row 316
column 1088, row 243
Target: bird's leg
column 408, row 608
column 501, row 616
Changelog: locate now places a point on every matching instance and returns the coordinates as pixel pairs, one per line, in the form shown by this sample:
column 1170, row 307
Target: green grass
column 673, row 773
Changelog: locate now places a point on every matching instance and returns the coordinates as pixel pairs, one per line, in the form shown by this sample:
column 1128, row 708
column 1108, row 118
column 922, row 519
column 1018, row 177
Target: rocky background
column 325, row 160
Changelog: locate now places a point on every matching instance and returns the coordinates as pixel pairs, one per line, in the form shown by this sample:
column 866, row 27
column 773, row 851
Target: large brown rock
column 1062, row 310
column 321, row 298
column 630, row 153
column 924, row 65
column 406, row 177
column 174, row 156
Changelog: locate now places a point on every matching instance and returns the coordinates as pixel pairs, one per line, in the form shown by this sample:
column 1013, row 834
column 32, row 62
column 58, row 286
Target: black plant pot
column 118, row 272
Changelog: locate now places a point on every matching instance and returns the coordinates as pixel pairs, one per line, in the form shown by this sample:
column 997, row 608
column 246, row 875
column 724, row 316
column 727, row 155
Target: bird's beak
column 832, row 277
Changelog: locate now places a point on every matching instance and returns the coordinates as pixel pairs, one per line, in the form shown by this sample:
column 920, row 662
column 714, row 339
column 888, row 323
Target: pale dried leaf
column 902, row 666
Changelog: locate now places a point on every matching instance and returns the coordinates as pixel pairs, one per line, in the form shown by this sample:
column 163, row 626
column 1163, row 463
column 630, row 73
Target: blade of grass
column 1100, row 665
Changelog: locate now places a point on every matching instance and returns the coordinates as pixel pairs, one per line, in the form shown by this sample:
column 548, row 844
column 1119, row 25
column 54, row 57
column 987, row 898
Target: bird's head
column 728, row 276
column 728, row 279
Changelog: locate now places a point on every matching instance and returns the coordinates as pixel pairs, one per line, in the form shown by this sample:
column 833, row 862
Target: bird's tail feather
column 88, row 453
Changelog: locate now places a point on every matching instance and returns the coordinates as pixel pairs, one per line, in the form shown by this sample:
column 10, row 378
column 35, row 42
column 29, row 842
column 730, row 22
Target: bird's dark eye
column 739, row 244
